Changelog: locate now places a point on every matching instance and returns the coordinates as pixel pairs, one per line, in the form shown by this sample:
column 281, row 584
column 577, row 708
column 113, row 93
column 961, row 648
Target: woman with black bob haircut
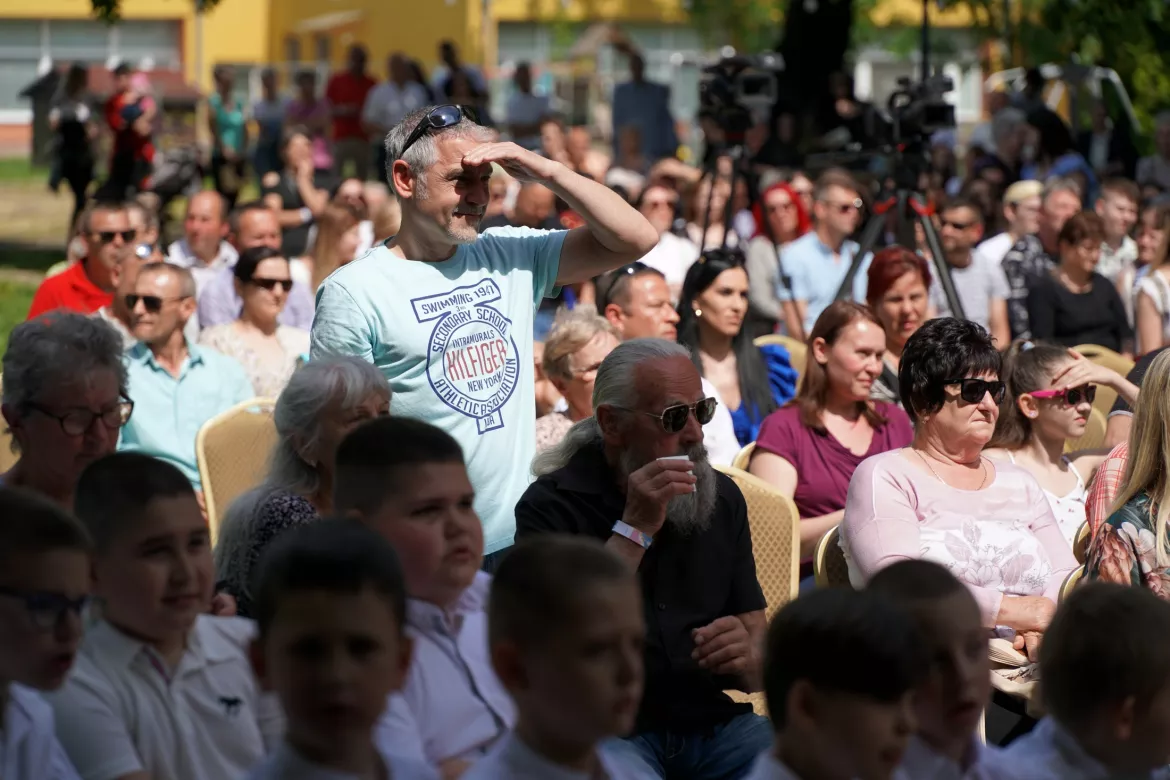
column 752, row 381
column 267, row 350
column 942, row 500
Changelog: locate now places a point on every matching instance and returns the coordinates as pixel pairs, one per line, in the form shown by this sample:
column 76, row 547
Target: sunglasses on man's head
column 438, row 118
column 1073, row 396
column 973, row 390
column 674, row 418
column 272, row 284
column 152, row 303
column 108, row 236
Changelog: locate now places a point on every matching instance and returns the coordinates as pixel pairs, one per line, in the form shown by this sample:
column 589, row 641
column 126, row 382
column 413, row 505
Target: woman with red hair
column 768, row 302
column 899, row 281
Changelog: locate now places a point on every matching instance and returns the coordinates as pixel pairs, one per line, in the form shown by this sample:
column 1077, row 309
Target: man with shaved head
column 203, row 248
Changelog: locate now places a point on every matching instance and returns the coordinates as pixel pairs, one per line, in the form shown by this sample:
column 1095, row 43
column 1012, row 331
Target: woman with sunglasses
column 1131, row 547
column 810, row 448
column 267, row 350
column 1050, row 392
column 783, row 214
column 752, row 381
column 942, row 500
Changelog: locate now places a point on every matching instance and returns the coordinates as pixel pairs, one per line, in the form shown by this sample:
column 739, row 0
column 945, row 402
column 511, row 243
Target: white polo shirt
column 122, row 711
column 511, row 758
column 452, row 705
column 287, row 764
column 29, row 749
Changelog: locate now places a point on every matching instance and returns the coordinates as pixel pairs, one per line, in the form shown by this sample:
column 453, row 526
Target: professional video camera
column 919, row 109
column 737, row 87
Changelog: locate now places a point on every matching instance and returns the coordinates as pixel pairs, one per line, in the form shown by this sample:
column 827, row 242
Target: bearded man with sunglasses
column 636, row 477
column 88, row 284
column 176, row 385
column 447, row 313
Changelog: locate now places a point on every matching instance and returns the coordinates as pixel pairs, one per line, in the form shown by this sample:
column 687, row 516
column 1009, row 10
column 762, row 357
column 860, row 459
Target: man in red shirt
column 88, row 284
column 346, row 94
column 129, row 113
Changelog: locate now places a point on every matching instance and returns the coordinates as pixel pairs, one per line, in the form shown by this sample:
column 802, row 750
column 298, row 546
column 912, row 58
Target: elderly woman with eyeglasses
column 578, row 342
column 64, row 400
column 267, row 350
column 943, row 500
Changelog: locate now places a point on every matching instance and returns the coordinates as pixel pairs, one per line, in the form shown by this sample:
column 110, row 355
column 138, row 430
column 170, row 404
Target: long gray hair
column 300, row 409
column 614, row 386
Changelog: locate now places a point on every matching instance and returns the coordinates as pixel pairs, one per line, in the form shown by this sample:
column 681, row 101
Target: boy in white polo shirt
column 161, row 690
column 566, row 629
column 44, row 584
column 406, row 480
column 331, row 608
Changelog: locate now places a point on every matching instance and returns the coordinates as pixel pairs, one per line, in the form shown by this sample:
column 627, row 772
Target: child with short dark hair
column 956, row 688
column 840, row 668
column 44, row 586
column 331, row 608
column 566, row 631
column 406, row 480
column 1105, row 684
column 161, row 689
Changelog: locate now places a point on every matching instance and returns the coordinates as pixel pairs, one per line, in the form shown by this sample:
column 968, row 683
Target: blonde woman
column 1131, row 547
column 578, row 342
column 338, row 236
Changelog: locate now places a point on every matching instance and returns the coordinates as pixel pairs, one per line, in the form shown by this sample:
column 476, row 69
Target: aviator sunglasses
column 674, row 418
column 1073, row 396
column 438, row 118
column 973, row 390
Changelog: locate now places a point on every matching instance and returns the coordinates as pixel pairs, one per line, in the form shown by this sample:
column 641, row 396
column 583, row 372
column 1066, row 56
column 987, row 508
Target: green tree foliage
column 110, row 11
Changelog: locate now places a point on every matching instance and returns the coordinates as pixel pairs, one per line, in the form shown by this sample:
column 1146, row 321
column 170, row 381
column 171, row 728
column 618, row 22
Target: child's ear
column 1123, row 719
column 509, row 665
column 803, row 705
column 259, row 663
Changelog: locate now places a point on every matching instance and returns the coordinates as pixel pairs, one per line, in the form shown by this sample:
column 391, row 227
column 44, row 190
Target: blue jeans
column 727, row 754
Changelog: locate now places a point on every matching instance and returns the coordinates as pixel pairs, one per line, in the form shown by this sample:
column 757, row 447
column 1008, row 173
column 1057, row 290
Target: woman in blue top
column 752, row 381
column 229, row 136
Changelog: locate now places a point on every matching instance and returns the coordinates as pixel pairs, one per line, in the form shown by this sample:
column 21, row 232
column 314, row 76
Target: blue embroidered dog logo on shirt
column 472, row 359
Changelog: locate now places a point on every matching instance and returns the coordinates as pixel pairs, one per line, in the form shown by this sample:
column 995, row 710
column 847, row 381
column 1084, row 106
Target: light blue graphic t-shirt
column 454, row 339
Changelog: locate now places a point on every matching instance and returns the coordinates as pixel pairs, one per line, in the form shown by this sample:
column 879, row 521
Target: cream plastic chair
column 830, row 569
column 775, row 527
column 232, row 451
column 1081, row 543
column 1103, row 356
column 743, row 458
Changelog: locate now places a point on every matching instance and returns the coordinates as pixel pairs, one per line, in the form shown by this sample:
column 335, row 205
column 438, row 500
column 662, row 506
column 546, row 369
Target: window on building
column 321, row 48
column 292, row 49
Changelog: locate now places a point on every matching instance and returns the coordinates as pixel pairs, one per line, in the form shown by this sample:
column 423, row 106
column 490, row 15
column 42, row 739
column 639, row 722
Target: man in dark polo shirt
column 684, row 526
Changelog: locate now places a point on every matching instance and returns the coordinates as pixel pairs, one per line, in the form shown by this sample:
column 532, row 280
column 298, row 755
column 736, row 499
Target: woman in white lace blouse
column 942, row 500
column 267, row 350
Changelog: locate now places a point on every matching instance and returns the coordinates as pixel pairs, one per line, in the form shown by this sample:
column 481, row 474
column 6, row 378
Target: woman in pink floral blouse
column 942, row 500
column 1132, row 547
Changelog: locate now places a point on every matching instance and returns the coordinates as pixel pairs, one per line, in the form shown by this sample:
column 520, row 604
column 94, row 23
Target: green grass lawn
column 20, row 169
column 15, row 298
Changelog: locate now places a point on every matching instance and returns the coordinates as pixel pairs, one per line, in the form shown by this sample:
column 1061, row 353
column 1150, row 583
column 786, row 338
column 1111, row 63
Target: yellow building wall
column 232, row 32
column 633, row 11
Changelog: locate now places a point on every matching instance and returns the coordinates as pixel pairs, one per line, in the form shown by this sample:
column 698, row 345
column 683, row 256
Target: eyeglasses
column 152, row 303
column 272, row 284
column 674, row 418
column 76, row 422
column 845, row 208
column 956, row 225
column 1073, row 396
column 46, row 610
column 658, row 204
column 438, row 118
column 973, row 390
column 107, row 236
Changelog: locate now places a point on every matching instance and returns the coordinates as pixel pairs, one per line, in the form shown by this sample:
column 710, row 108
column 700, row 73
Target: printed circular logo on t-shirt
column 472, row 360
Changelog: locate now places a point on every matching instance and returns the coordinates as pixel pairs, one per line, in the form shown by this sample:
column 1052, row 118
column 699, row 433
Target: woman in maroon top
column 809, row 448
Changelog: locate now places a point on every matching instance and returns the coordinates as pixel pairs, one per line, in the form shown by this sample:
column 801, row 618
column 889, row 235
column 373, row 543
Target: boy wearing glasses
column 44, row 586
column 161, row 689
column 406, row 480
column 636, row 476
column 88, row 285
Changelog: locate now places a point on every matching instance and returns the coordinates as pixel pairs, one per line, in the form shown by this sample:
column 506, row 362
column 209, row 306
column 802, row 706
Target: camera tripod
column 911, row 209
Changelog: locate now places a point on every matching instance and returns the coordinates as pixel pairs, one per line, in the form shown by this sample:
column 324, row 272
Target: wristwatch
column 633, row 534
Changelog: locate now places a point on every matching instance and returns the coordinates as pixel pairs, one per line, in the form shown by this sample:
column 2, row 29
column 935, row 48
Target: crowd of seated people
column 399, row 596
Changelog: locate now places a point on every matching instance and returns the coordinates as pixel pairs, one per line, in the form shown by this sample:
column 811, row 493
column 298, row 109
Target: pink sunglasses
column 1073, row 396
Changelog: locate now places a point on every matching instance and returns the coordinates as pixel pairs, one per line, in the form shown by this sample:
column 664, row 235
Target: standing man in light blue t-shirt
column 447, row 313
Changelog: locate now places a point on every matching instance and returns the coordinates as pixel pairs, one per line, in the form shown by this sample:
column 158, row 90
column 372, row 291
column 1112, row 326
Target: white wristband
column 306, row 215
column 644, row 540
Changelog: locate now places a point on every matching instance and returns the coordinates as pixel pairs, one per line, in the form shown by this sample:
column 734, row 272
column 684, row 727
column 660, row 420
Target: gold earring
column 698, row 312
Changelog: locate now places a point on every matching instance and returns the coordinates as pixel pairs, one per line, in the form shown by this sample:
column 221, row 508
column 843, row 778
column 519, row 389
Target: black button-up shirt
column 687, row 583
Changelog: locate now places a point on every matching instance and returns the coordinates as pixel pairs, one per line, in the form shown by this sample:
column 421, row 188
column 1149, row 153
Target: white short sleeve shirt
column 29, row 749
column 514, row 760
column 454, row 339
column 287, row 764
column 122, row 711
